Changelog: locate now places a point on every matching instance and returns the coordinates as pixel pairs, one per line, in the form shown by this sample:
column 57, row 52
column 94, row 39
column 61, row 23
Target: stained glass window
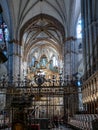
column 1, row 35
column 79, row 29
column 4, row 33
column 4, row 37
column 55, row 63
column 33, row 61
column 1, row 31
column 43, row 61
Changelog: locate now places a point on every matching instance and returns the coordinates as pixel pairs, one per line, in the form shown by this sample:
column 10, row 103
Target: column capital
column 14, row 41
column 71, row 38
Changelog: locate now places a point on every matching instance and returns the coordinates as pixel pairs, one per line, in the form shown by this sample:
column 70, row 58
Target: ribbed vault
column 37, row 23
column 42, row 29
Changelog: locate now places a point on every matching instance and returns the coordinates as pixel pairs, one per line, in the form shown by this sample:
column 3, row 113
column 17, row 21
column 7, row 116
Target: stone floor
column 61, row 127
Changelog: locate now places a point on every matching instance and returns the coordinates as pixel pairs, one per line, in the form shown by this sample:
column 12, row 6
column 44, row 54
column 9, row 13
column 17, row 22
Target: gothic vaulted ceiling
column 31, row 22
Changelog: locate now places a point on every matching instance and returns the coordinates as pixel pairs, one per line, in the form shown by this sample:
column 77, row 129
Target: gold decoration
column 38, row 98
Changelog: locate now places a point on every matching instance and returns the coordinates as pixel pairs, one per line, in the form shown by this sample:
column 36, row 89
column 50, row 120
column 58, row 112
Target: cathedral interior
column 48, row 64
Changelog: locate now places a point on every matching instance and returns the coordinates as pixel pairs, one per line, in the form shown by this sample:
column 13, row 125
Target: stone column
column 84, row 36
column 14, row 62
column 97, row 90
column 67, row 60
